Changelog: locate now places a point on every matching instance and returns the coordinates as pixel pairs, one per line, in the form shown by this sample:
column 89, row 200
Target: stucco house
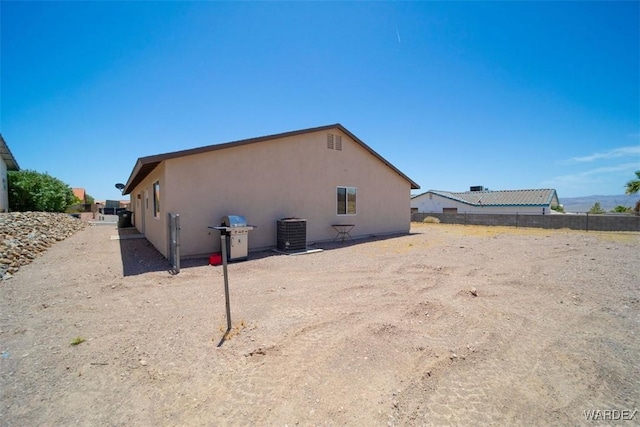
column 325, row 175
column 537, row 201
column 7, row 163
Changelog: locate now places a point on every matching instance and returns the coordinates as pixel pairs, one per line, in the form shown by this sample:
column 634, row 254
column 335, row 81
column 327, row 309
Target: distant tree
column 33, row 191
column 633, row 186
column 89, row 199
column 558, row 208
column 596, row 209
column 621, row 209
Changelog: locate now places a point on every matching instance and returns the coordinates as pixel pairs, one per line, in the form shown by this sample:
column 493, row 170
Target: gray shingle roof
column 540, row 197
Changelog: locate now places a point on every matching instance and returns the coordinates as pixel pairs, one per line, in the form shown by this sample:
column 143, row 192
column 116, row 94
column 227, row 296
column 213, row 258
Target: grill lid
column 233, row 221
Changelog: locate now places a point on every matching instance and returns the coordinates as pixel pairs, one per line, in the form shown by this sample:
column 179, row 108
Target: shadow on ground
column 139, row 256
column 337, row 244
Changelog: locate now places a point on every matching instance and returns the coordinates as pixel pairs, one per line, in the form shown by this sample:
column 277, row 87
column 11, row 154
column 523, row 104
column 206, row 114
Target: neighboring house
column 81, row 194
column 484, row 201
column 325, row 175
column 7, row 163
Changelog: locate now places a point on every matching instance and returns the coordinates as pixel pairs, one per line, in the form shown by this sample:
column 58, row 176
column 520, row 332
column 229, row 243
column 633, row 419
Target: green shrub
column 596, row 209
column 622, row 209
column 39, row 192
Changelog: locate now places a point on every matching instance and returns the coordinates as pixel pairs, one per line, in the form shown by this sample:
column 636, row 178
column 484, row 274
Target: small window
column 339, row 142
column 156, row 199
column 330, row 141
column 346, row 198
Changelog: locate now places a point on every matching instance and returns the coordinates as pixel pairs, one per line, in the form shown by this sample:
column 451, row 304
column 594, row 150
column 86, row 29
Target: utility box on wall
column 291, row 234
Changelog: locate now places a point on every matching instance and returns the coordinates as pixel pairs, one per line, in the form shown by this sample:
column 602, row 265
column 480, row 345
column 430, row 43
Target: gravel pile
column 25, row 235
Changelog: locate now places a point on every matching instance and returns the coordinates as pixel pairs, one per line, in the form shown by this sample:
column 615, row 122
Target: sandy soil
column 382, row 332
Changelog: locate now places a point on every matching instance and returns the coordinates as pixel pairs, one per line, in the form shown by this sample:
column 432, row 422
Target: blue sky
column 509, row 95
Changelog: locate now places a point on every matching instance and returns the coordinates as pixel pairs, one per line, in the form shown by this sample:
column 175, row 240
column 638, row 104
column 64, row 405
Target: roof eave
column 7, row 156
column 414, row 185
column 134, row 173
column 554, row 195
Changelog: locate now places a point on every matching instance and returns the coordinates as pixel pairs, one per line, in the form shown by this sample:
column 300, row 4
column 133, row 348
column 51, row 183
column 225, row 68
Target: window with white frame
column 156, row 199
column 346, row 200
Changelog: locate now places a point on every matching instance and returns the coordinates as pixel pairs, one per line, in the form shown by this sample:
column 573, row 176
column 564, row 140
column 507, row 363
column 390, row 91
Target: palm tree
column 633, row 186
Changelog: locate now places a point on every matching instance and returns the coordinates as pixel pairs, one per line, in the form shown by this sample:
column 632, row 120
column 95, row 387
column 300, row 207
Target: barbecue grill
column 237, row 231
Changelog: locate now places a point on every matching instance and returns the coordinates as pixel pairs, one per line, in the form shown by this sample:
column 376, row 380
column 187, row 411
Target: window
column 156, row 199
column 346, row 200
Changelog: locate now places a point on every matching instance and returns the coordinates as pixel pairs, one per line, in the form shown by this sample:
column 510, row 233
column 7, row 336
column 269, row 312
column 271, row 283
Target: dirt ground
column 377, row 332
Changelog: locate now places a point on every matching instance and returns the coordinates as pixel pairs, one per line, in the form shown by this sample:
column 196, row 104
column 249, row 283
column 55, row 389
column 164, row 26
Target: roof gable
column 145, row 165
column 6, row 155
column 80, row 193
column 534, row 197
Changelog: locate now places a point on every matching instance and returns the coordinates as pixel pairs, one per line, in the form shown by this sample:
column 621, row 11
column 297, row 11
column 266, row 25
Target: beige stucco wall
column 265, row 181
column 154, row 228
column 424, row 204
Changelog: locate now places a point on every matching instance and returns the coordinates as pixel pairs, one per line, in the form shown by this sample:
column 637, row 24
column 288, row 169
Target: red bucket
column 215, row 259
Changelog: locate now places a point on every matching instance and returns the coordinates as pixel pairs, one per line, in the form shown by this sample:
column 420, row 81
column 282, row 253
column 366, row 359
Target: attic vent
column 330, row 141
column 338, row 142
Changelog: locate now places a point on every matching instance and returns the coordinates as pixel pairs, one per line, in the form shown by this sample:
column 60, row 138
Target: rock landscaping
column 25, row 235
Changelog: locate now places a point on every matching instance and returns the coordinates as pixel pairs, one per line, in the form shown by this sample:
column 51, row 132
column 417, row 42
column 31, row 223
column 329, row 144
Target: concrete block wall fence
column 583, row 221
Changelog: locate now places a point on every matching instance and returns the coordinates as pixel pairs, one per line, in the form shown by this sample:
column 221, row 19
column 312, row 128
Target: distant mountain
column 583, row 204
